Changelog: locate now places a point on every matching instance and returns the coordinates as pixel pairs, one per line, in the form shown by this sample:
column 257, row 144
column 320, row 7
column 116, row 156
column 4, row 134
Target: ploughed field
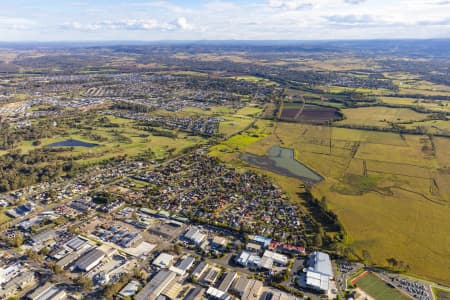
column 308, row 113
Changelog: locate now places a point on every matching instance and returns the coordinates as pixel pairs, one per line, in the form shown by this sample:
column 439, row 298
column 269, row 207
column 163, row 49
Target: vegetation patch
column 377, row 288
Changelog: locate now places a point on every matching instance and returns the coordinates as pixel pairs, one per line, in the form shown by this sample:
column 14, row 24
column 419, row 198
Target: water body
column 281, row 160
column 72, row 143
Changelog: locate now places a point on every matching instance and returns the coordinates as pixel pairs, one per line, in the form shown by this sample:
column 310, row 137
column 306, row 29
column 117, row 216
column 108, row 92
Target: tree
column 84, row 282
column 318, row 241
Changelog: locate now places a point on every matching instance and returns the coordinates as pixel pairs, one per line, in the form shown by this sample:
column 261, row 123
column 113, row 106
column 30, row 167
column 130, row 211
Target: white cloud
column 183, row 24
column 290, row 4
column 131, row 25
column 16, row 23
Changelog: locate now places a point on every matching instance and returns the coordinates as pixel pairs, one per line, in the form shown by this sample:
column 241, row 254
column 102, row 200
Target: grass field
column 113, row 143
column 391, row 192
column 437, row 105
column 378, row 289
column 379, row 116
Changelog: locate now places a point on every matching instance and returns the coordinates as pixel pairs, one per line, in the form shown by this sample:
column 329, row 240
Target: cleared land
column 391, row 192
column 308, row 113
column 379, row 116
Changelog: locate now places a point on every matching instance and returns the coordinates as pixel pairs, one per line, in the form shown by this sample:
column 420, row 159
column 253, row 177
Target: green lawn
column 378, row 289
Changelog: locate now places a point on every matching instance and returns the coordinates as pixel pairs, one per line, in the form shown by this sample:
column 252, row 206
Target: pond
column 281, row 160
column 72, row 143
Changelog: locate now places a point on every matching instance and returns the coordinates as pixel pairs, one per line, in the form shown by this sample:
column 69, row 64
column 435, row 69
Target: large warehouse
column 319, row 273
column 89, row 260
column 156, row 286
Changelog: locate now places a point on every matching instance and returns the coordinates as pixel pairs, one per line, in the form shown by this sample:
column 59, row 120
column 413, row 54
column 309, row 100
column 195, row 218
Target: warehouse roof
column 76, row 243
column 186, row 263
column 43, row 236
column 85, row 261
column 163, row 260
column 155, row 287
column 319, row 262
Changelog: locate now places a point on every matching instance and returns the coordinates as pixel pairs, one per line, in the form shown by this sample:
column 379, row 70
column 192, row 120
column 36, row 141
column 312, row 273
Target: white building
column 319, row 271
column 164, row 260
column 195, row 236
column 277, row 258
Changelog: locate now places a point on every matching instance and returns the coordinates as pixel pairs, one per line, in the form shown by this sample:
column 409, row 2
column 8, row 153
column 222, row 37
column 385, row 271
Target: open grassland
column 255, row 80
column 249, row 111
column 431, row 105
column 233, row 124
column 438, row 127
column 379, row 116
column 390, row 191
column 378, row 289
column 213, row 110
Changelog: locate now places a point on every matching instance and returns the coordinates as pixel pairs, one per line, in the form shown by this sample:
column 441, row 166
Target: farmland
column 366, row 173
column 300, row 112
column 380, row 116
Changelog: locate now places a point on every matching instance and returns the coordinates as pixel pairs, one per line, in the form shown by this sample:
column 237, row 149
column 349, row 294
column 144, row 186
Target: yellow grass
column 379, row 116
column 404, row 217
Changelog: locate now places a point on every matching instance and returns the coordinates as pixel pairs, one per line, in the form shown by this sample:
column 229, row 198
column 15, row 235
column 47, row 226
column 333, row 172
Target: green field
column 116, row 141
column 378, row 289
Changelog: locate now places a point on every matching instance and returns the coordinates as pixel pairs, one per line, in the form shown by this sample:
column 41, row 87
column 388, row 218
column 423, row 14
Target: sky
column 150, row 20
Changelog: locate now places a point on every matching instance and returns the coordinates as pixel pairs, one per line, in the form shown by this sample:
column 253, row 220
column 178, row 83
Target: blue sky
column 65, row 20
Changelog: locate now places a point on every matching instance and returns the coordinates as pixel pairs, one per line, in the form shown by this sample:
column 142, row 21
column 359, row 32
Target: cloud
column 131, row 25
column 183, row 24
column 352, row 20
column 354, row 1
column 440, row 22
column 291, row 4
column 16, row 23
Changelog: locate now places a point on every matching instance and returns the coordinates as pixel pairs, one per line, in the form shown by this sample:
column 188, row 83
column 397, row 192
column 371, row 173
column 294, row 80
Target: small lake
column 281, row 160
column 72, row 143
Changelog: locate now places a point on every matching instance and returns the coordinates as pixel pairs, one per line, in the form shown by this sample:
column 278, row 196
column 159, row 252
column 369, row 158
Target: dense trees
column 20, row 170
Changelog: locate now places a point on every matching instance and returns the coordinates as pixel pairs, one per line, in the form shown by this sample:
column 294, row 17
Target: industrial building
column 214, row 293
column 319, row 271
column 130, row 289
column 247, row 259
column 43, row 237
column 48, row 291
column 199, row 269
column 183, row 266
column 252, row 290
column 164, row 260
column 156, row 286
column 277, row 258
column 89, row 260
column 195, row 236
column 227, row 281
